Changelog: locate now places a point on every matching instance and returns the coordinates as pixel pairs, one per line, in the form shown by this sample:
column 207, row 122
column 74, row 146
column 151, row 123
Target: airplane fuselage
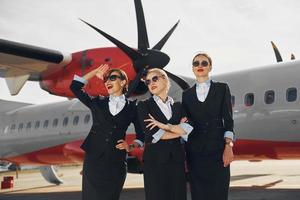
column 265, row 110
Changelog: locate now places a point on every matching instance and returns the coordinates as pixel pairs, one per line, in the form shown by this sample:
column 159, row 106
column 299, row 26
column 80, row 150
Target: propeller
column 277, row 53
column 182, row 83
column 143, row 58
column 293, row 57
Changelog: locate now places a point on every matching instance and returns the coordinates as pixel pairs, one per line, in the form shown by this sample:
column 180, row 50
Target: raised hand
column 101, row 70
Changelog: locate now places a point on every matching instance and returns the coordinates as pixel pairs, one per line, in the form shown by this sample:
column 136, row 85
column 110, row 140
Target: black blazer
column 106, row 129
column 163, row 150
column 210, row 118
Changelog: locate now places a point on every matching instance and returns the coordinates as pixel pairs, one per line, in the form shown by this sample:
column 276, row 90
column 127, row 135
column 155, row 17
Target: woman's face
column 157, row 84
column 199, row 68
column 114, row 84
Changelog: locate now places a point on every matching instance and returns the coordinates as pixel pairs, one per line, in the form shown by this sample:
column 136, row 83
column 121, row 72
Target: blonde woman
column 104, row 167
column 162, row 121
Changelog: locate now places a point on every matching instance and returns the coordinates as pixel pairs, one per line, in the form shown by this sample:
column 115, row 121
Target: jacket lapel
column 193, row 96
column 211, row 92
column 156, row 112
column 176, row 112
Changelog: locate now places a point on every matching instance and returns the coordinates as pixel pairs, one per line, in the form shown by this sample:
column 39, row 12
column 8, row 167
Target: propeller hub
column 156, row 58
column 152, row 59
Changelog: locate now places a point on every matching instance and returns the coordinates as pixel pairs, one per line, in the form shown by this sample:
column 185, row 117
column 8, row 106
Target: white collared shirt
column 166, row 108
column 202, row 90
column 116, row 104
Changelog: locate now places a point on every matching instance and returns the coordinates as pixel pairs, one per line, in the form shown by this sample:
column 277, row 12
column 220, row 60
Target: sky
column 236, row 33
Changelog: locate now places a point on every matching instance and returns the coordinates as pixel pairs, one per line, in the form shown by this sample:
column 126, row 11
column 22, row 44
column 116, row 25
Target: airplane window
column 291, row 94
column 20, row 127
column 232, row 101
column 37, row 125
column 46, row 122
column 75, row 120
column 87, row 118
column 13, row 127
column 249, row 99
column 28, row 126
column 55, row 122
column 269, row 96
column 65, row 122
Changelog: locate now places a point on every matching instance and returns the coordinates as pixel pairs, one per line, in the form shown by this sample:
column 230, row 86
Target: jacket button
column 115, row 126
column 106, row 139
column 110, row 132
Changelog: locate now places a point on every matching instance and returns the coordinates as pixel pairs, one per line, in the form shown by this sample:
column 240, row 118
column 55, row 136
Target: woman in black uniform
column 209, row 148
column 162, row 122
column 104, row 168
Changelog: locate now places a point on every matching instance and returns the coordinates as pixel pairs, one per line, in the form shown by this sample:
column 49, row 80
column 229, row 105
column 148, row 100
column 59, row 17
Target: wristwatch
column 229, row 143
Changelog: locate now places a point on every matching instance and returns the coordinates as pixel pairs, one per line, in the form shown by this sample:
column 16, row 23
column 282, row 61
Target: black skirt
column 209, row 179
column 102, row 179
column 165, row 181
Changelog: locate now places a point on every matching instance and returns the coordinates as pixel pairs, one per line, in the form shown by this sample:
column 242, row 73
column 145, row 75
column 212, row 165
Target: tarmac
column 272, row 179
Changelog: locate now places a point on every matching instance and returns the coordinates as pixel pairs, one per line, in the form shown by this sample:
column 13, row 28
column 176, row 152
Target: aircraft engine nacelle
column 57, row 81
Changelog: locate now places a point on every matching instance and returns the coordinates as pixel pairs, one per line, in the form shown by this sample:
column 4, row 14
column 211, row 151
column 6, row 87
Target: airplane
column 265, row 106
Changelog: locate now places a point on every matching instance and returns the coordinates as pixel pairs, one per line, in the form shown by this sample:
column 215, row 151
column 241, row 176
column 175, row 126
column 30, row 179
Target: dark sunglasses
column 154, row 79
column 112, row 77
column 204, row 63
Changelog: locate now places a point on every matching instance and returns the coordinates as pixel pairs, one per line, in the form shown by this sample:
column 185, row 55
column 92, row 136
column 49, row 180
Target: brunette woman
column 104, row 168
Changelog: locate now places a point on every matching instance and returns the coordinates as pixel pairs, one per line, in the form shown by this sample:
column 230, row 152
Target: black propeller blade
column 131, row 53
column 144, row 58
column 133, row 85
column 182, row 83
column 293, row 57
column 277, row 53
column 162, row 42
column 143, row 43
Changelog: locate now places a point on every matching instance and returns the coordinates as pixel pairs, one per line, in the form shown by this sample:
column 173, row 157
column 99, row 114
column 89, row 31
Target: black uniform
column 208, row 177
column 164, row 170
column 104, row 168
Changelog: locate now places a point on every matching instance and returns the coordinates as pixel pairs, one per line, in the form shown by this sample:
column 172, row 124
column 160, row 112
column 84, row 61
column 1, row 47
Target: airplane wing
column 21, row 62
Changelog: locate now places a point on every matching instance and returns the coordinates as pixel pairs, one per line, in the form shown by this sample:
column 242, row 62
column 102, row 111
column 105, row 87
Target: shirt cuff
column 187, row 129
column 230, row 135
column 156, row 136
column 141, row 144
column 80, row 79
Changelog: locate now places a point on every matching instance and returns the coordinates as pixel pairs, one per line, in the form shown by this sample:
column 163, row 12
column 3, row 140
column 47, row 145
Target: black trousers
column 102, row 179
column 209, row 179
column 165, row 181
